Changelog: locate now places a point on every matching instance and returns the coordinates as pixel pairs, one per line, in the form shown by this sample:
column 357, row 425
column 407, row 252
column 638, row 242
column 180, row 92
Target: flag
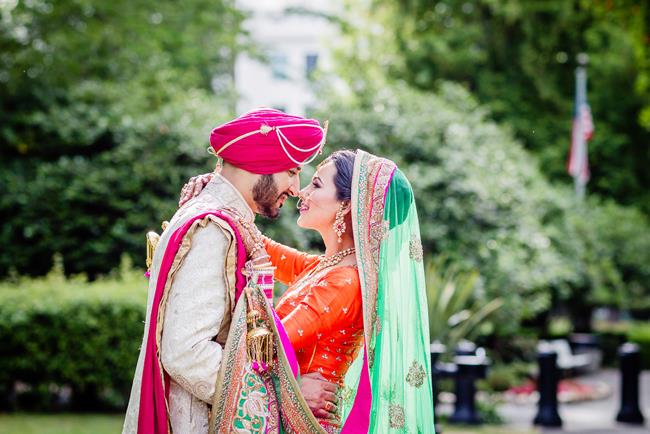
column 582, row 131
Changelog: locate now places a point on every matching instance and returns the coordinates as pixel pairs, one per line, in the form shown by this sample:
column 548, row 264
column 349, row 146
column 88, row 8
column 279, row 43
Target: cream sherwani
column 197, row 307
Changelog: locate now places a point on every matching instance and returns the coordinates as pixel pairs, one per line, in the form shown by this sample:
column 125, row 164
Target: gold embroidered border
column 371, row 178
column 186, row 244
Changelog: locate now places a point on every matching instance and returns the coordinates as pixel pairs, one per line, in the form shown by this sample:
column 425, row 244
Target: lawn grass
column 489, row 429
column 23, row 423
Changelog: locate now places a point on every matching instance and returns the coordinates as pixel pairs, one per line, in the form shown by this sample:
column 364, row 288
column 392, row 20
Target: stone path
column 592, row 417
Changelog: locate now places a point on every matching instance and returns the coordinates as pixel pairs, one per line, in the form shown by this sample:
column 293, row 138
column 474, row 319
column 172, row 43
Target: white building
column 295, row 44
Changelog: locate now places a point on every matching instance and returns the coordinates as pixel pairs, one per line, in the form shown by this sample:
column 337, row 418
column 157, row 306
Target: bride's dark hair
column 344, row 163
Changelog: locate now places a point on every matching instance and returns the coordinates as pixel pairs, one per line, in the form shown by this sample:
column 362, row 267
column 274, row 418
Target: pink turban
column 266, row 141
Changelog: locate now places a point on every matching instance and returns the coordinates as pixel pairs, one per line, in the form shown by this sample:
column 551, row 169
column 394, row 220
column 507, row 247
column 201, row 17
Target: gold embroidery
column 380, row 231
column 183, row 250
column 415, row 249
column 416, row 374
column 372, row 178
column 346, row 395
column 396, row 416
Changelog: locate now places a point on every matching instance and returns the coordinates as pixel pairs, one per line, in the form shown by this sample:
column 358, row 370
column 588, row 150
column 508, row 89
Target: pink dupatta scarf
column 152, row 416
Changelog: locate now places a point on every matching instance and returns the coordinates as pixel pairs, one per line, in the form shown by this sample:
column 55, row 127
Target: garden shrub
column 611, row 335
column 70, row 335
column 484, row 203
column 639, row 333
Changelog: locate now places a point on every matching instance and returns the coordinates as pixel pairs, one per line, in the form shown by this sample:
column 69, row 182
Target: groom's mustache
column 284, row 195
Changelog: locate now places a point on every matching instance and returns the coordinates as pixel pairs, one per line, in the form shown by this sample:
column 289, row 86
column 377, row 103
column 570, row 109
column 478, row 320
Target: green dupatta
column 396, row 324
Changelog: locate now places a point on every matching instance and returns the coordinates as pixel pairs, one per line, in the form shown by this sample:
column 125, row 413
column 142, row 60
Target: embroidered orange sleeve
column 289, row 262
column 334, row 301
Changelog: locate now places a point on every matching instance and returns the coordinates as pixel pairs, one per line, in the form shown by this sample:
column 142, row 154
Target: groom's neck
column 243, row 181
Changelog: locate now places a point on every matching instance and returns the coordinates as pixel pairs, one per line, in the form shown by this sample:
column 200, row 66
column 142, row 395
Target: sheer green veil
column 396, row 325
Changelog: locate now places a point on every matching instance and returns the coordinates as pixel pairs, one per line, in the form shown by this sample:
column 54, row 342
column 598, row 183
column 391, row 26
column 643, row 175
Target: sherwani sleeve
column 194, row 312
column 289, row 262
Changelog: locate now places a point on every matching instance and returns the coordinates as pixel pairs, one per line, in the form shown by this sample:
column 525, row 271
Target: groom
column 196, row 273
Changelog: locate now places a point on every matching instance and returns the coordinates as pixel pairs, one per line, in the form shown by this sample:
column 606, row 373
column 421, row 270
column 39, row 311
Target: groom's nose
column 294, row 187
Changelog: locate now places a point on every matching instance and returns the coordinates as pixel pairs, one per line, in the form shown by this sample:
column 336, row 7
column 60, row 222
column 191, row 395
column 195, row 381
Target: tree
column 484, row 203
column 518, row 59
column 106, row 108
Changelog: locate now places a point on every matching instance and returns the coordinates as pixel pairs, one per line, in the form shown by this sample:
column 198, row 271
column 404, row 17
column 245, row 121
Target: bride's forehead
column 326, row 171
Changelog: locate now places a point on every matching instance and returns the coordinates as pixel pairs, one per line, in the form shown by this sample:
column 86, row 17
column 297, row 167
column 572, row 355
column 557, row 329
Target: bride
column 358, row 313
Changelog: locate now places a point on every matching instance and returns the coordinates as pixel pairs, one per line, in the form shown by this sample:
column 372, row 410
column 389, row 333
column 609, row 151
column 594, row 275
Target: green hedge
column 70, row 344
column 612, row 335
column 639, row 333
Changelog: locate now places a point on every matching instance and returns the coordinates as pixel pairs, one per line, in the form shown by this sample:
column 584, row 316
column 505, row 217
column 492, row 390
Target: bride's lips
column 303, row 209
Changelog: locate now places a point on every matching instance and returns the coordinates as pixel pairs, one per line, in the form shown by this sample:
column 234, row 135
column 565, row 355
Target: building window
column 311, row 62
column 279, row 66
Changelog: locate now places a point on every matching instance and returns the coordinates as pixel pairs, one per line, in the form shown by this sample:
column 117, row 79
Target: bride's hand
column 193, row 187
column 253, row 240
column 319, row 394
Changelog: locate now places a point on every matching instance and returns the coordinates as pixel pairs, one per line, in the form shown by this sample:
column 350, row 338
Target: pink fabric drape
column 152, row 416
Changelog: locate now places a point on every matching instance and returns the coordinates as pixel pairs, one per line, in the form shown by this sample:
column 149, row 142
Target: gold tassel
column 259, row 341
column 152, row 243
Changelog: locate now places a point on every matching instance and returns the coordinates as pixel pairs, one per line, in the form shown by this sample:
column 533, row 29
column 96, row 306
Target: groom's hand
column 320, row 395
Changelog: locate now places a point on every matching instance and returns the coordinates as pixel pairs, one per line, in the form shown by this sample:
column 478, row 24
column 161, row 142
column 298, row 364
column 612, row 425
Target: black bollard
column 469, row 369
column 547, row 382
column 630, row 358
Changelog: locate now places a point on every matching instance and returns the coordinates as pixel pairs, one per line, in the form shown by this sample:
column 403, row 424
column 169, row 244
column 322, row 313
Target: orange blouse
column 321, row 312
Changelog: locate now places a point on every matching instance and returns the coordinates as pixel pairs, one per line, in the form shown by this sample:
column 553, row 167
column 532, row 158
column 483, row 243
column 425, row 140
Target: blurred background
column 106, row 109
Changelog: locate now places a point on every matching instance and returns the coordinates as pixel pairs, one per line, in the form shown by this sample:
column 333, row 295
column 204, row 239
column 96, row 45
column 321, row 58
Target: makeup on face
column 318, row 203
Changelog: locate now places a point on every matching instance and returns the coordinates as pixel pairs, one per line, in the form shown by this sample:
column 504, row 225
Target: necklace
column 331, row 261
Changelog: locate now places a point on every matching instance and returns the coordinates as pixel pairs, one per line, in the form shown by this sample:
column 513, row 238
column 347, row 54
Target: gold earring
column 339, row 223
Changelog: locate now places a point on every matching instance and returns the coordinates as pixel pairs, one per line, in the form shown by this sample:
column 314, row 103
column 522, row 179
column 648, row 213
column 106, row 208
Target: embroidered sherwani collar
column 221, row 189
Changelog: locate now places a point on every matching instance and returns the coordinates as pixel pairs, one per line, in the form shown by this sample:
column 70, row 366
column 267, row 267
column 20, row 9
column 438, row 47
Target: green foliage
column 59, row 332
column 559, row 327
column 518, row 58
column 609, row 247
column 639, row 333
column 612, row 334
column 480, row 197
column 484, row 203
column 455, row 311
column 106, row 110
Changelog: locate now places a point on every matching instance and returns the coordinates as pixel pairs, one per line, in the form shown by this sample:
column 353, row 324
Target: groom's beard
column 266, row 196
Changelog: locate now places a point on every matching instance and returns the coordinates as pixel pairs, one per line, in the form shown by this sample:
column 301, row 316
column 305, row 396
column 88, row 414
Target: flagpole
column 580, row 76
column 579, row 180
